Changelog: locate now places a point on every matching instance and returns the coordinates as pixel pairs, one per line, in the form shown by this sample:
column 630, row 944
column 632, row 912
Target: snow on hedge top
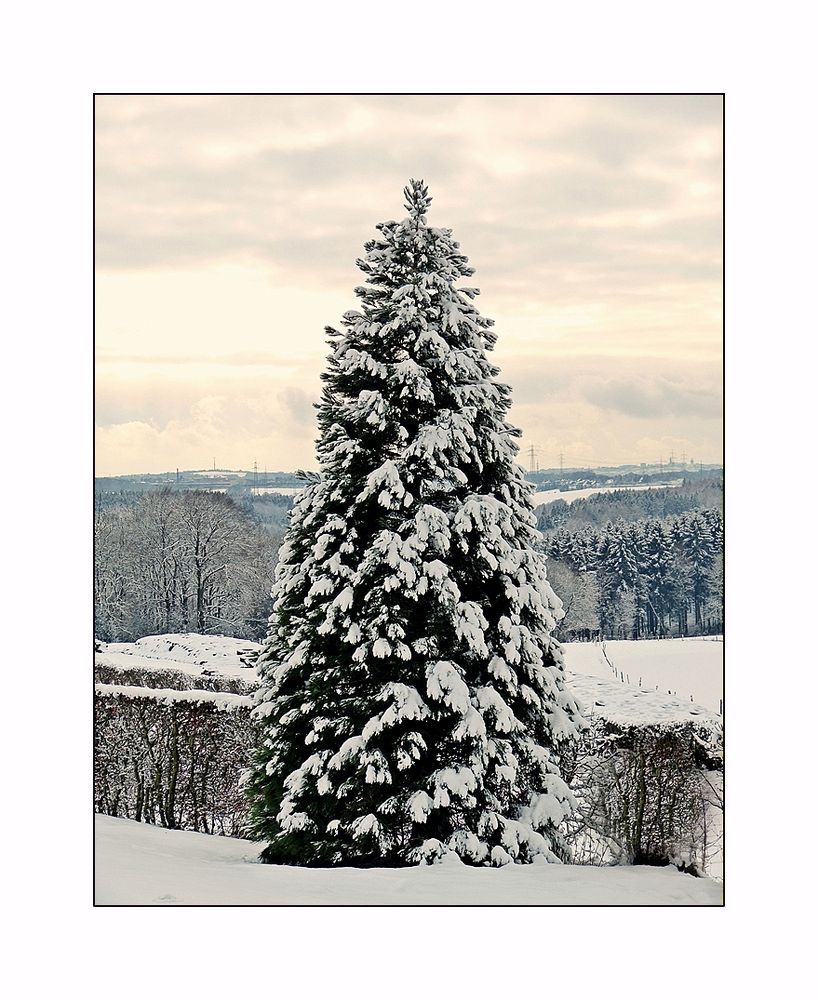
column 619, row 703
column 186, row 652
column 222, row 701
column 627, row 705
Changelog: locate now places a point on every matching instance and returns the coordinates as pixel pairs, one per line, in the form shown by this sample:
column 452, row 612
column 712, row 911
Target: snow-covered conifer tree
column 660, row 573
column 413, row 699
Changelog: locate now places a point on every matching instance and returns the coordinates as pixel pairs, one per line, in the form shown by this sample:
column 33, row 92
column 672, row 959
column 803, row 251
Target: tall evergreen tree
column 585, row 548
column 696, row 535
column 413, row 698
column 618, row 575
column 660, row 574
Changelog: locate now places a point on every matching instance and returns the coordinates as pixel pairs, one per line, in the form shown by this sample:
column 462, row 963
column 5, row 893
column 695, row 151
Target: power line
column 533, row 452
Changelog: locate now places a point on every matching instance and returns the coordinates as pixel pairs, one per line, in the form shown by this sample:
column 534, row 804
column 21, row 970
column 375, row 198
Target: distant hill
column 237, row 481
column 223, row 480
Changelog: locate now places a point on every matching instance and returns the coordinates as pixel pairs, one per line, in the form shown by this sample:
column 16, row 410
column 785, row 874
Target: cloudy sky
column 228, row 227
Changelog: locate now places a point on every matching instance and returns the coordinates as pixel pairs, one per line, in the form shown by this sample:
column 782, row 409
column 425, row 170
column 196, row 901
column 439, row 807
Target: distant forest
column 626, row 564
column 639, row 564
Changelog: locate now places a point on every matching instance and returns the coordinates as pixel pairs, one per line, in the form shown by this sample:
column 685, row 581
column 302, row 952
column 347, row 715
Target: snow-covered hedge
column 648, row 792
column 141, row 672
column 172, row 757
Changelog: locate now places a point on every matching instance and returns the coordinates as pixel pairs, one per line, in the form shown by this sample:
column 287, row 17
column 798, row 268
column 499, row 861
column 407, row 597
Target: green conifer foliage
column 413, row 698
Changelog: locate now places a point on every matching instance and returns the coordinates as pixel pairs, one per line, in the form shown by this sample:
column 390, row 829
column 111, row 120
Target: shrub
column 646, row 794
column 171, row 757
column 139, row 675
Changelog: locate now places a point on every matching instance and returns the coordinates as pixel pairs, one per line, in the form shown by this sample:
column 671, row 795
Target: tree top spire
column 418, row 199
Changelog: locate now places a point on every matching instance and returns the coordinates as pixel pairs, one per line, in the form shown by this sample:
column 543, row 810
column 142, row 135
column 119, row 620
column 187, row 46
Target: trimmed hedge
column 173, row 758
column 647, row 794
column 166, row 677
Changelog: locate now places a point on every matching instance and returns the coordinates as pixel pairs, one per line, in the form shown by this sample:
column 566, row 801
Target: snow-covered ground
column 186, row 652
column 137, row 864
column 691, row 669
column 683, row 667
column 546, row 496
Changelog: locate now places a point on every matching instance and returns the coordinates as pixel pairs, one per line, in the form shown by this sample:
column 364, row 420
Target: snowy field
column 543, row 496
column 187, row 652
column 141, row 864
column 691, row 669
column 546, row 496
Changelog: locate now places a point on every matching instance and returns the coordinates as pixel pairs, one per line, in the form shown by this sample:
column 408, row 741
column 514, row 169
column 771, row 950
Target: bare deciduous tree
column 181, row 561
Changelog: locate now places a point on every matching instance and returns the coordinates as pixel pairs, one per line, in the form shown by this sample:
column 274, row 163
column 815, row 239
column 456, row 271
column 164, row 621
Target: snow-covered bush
column 646, row 794
column 164, row 676
column 413, row 698
column 172, row 757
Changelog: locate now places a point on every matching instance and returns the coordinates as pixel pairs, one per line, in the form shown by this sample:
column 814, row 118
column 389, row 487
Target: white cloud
column 227, row 230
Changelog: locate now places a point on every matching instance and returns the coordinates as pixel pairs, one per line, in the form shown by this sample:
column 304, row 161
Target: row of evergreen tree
column 653, row 577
